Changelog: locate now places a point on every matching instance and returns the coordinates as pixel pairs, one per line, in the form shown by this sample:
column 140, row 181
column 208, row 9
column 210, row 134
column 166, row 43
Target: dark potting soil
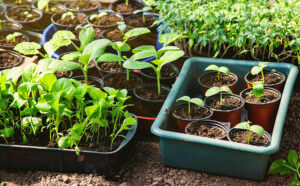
column 84, row 5
column 195, row 113
column 228, row 103
column 8, row 60
column 268, row 97
column 151, row 93
column 106, row 20
column 115, row 34
column 137, row 21
column 10, row 43
column 165, row 72
column 98, row 33
column 270, row 78
column 18, row 14
column 124, row 9
column 62, row 74
column 119, row 81
column 206, row 131
column 211, row 80
column 16, row 2
column 79, row 19
column 9, row 25
column 241, row 136
column 111, row 67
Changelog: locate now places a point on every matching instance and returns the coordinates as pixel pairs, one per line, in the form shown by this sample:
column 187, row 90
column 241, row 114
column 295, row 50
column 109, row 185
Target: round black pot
column 15, row 54
column 168, row 81
column 209, row 123
column 87, row 11
column 58, row 26
column 29, row 25
column 114, row 4
column 267, row 135
column 103, row 73
column 183, row 122
column 9, row 32
column 96, row 81
column 16, row 26
column 233, row 116
column 108, row 27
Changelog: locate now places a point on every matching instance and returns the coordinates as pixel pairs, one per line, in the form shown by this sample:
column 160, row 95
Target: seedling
column 258, row 89
column 95, row 16
column 12, row 37
column 196, row 101
column 1, row 23
column 222, row 69
column 290, row 166
column 32, row 48
column 68, row 15
column 122, row 26
column 259, row 69
column 215, row 90
column 254, row 128
column 145, row 9
column 28, row 15
column 41, row 4
column 126, row 2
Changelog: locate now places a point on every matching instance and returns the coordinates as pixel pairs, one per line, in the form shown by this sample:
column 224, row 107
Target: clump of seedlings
column 259, row 69
column 68, row 15
column 98, row 17
column 28, row 15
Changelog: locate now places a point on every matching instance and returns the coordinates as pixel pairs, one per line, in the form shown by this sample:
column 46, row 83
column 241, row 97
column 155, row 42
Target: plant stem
column 218, row 75
column 127, row 74
column 262, row 74
column 189, row 107
column 221, row 98
column 77, row 48
column 158, row 81
column 20, row 1
column 41, row 54
column 47, row 7
column 144, row 20
column 248, row 136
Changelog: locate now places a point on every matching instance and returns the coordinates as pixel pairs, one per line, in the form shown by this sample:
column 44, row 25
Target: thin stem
column 43, row 56
column 221, row 98
column 76, row 47
column 158, row 81
column 262, row 74
column 248, row 136
column 20, row 1
column 189, row 107
column 144, row 20
column 47, row 7
column 218, row 75
column 127, row 74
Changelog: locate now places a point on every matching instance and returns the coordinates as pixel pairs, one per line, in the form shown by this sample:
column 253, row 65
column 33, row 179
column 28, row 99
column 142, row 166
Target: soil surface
column 4, row 42
column 211, row 80
column 111, row 67
column 8, row 60
column 98, row 33
column 241, row 136
column 144, row 166
column 119, row 81
column 63, row 74
column 18, row 14
column 196, row 112
column 270, row 78
column 268, row 97
column 79, row 19
column 106, row 20
column 151, row 93
column 84, row 5
column 115, row 34
column 228, row 103
column 137, row 21
column 124, row 9
column 208, row 131
column 166, row 72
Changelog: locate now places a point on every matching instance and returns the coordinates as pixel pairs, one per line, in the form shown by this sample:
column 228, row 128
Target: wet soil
column 196, row 112
column 115, row 34
column 166, row 72
column 84, row 5
column 111, row 67
column 211, row 80
column 270, row 78
column 119, row 81
column 206, row 131
column 228, row 103
column 106, row 20
column 17, row 14
column 241, row 136
column 8, row 60
column 124, row 9
column 268, row 97
column 79, row 19
column 151, row 93
column 137, row 21
column 4, row 42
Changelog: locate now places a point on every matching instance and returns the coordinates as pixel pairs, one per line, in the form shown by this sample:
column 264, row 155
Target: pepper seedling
column 68, row 15
column 254, row 128
column 145, row 9
column 196, row 101
column 95, row 16
column 1, row 23
column 121, row 26
column 215, row 90
column 28, row 15
column 222, row 69
column 259, row 69
column 12, row 37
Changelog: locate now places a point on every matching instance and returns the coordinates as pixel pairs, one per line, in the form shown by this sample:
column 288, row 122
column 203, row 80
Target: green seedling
column 222, row 69
column 32, row 48
column 196, row 101
column 98, row 16
column 28, row 15
column 69, row 15
column 145, row 9
column 216, row 90
column 12, row 37
column 20, row 2
column 126, row 2
column 254, row 128
column 259, row 69
column 1, row 23
column 122, row 27
column 258, row 89
column 290, row 166
column 43, row 4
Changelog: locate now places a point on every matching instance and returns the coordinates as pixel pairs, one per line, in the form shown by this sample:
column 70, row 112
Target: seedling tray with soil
column 211, row 155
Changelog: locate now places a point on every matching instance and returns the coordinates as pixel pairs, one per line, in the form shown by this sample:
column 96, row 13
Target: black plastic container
column 97, row 82
column 113, row 4
column 14, row 53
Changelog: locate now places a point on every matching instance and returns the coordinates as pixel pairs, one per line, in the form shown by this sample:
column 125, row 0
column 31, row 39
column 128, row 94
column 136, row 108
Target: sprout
column 13, row 36
column 68, row 15
column 254, row 128
column 122, row 27
column 94, row 16
column 196, row 101
column 215, row 90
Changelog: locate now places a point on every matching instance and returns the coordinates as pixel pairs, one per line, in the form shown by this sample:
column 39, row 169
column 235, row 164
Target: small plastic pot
column 115, row 3
column 58, row 26
column 9, row 32
column 102, row 72
column 278, row 86
column 209, row 123
column 30, row 25
column 263, row 114
column 15, row 54
column 86, row 11
column 17, row 26
column 267, row 135
column 97, row 82
column 204, row 88
column 182, row 122
column 168, row 81
column 233, row 116
column 108, row 27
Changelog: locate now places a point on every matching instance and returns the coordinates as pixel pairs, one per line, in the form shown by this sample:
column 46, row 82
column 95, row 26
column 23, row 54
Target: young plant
column 222, row 69
column 254, row 128
column 44, row 4
column 216, row 90
column 98, row 16
column 126, row 2
column 1, row 23
column 12, row 37
column 145, row 9
column 258, row 89
column 28, row 15
column 259, row 69
column 283, row 167
column 196, row 101
column 68, row 15
column 122, row 26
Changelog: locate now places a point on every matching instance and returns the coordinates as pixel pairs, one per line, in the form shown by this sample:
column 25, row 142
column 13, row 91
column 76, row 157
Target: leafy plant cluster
column 235, row 29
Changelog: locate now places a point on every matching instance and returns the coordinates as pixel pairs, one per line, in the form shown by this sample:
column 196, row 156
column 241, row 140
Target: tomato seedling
column 218, row 90
column 254, row 128
column 196, row 101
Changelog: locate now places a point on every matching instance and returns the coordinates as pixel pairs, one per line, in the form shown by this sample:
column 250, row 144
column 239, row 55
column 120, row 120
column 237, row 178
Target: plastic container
column 216, row 156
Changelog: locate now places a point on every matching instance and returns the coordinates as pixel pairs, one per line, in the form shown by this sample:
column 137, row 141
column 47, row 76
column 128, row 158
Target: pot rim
column 50, row 2
column 4, row 8
column 185, row 104
column 121, row 1
column 124, row 74
column 206, row 86
column 73, row 26
column 283, row 78
column 268, row 88
column 21, row 59
column 105, row 26
column 85, row 10
column 81, row 77
column 149, row 85
column 20, row 26
column 135, row 15
column 225, row 94
column 104, row 71
column 162, row 78
column 32, row 8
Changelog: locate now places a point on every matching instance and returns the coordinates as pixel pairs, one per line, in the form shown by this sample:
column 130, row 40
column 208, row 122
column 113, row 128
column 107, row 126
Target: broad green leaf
column 92, row 111
column 43, row 65
column 47, row 81
column 96, row 48
column 24, row 90
column 72, row 56
column 212, row 67
column 184, row 98
column 136, row 32
column 279, row 166
column 198, row 102
column 77, row 131
column 263, row 64
column 136, row 65
column 244, row 125
column 255, row 70
column 225, row 70
column 28, row 48
column 7, row 132
column 165, row 49
column 226, row 89
column 258, row 130
column 86, row 36
column 258, row 89
column 85, row 59
column 62, row 66
column 212, row 91
column 62, row 85
column 143, row 54
column 50, row 48
column 96, row 94
column 18, row 101
column 293, row 159
column 129, row 121
column 80, row 92
column 43, row 107
column 168, row 38
column 62, row 38
column 108, row 57
column 123, row 47
column 64, row 142
column 171, row 56
column 33, row 122
column 41, row 4
column 30, row 72
column 14, row 73
column 144, row 47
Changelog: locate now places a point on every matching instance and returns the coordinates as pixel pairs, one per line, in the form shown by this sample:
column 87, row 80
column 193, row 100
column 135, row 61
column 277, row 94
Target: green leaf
column 77, row 150
column 50, row 48
column 72, row 56
column 263, row 64
column 184, row 98
column 30, row 72
column 18, row 101
column 62, row 85
column 293, row 159
column 171, row 56
column 212, row 67
column 92, row 111
column 244, row 125
column 43, row 107
column 143, row 54
column 226, row 89
column 198, row 101
column 212, row 91
column 64, row 142
column 86, row 36
column 14, row 73
column 258, row 89
column 108, row 57
column 7, row 132
column 255, row 70
column 62, row 38
column 123, row 47
column 41, row 4
column 77, row 131
column 85, row 59
column 24, row 90
column 279, row 166
column 168, row 38
column 47, row 81
column 136, row 65
column 225, row 70
column 28, row 48
column 97, row 94
column 144, row 47
column 96, row 48
column 62, row 66
column 258, row 130
column 33, row 122
column 136, row 32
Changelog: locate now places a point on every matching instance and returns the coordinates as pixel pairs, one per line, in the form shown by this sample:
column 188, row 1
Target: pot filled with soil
column 84, row 6
column 10, row 26
column 9, row 59
column 14, row 3
column 91, row 81
column 272, row 79
column 207, row 128
column 210, row 79
column 27, row 16
column 168, row 72
column 109, row 68
column 138, row 20
column 183, row 117
column 126, row 10
column 262, row 110
column 105, row 20
column 229, row 110
column 9, row 39
column 68, row 20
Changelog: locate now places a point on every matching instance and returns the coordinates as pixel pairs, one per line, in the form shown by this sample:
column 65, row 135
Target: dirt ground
column 144, row 166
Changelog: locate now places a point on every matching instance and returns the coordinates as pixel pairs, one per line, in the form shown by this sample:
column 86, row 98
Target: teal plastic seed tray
column 211, row 155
